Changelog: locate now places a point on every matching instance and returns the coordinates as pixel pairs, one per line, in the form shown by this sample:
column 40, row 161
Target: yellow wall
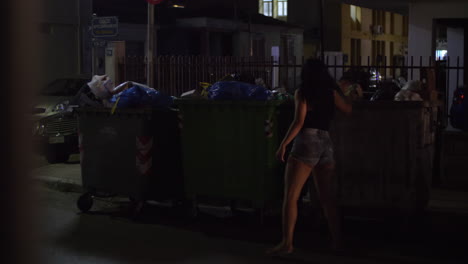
column 310, row 50
column 398, row 20
column 388, row 23
column 366, row 19
column 345, row 29
column 392, row 34
column 366, row 45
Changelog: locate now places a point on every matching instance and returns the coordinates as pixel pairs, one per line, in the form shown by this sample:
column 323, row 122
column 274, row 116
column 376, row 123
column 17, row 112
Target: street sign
column 105, row 26
column 154, row 2
column 99, row 43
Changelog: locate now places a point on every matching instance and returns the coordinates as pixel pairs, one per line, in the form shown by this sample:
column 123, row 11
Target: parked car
column 55, row 124
column 459, row 109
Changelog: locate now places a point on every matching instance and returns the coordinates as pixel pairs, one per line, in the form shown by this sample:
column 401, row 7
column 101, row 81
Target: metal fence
column 177, row 74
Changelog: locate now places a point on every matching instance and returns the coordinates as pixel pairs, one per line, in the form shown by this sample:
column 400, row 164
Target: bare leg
column 296, row 175
column 324, row 185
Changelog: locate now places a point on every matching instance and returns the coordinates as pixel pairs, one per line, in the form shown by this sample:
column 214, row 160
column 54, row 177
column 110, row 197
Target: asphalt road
column 165, row 234
column 108, row 235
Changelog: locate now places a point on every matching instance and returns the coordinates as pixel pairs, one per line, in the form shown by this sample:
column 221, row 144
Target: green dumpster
column 132, row 152
column 228, row 150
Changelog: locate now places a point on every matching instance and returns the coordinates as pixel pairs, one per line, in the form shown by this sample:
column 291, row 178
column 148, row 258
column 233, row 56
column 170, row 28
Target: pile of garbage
column 237, row 87
column 101, row 92
column 370, row 85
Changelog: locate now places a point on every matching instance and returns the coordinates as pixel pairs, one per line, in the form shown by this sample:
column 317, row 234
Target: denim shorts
column 313, row 146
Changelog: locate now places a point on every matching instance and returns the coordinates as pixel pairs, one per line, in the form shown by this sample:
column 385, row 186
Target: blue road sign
column 105, row 27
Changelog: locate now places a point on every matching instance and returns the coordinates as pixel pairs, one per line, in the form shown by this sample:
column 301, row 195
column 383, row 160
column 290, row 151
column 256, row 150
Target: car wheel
column 56, row 154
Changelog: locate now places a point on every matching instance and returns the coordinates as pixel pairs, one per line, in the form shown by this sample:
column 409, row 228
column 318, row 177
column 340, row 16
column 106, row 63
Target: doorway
column 449, row 46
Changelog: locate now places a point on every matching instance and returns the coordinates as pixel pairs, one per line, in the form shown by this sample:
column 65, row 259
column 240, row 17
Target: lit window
column 274, row 8
column 268, row 8
column 282, row 7
column 441, row 54
column 353, row 12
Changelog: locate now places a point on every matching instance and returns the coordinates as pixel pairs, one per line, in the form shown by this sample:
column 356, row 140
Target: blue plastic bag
column 138, row 96
column 233, row 90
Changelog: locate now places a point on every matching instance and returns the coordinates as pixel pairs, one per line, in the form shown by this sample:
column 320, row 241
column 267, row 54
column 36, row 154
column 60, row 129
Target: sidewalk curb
column 60, row 184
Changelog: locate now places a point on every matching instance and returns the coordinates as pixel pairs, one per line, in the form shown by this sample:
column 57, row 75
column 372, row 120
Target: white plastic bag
column 409, row 92
column 101, row 86
column 191, row 94
column 125, row 85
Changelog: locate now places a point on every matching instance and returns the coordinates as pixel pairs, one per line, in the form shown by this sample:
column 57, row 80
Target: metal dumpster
column 133, row 152
column 384, row 154
column 229, row 150
column 454, row 160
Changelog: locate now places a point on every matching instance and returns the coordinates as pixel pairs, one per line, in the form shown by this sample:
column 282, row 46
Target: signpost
column 101, row 28
column 99, row 43
column 150, row 42
column 105, row 27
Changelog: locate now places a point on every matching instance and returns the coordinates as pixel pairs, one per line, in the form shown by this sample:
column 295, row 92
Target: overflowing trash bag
column 235, row 90
column 410, row 92
column 358, row 76
column 386, row 91
column 125, row 85
column 94, row 93
column 459, row 109
column 281, row 94
column 245, row 77
column 200, row 93
column 141, row 96
column 100, row 86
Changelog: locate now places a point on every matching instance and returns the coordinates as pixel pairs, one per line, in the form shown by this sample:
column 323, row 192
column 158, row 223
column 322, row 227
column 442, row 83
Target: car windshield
column 64, row 87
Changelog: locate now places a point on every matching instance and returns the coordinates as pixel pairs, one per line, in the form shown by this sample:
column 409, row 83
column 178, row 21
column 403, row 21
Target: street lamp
column 176, row 3
column 322, row 53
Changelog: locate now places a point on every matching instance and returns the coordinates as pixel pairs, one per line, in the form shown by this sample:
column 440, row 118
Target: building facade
column 63, row 34
column 373, row 36
column 356, row 33
column 201, row 27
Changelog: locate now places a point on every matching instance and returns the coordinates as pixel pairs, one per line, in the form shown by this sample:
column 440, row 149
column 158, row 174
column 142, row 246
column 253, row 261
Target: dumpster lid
column 187, row 101
column 395, row 104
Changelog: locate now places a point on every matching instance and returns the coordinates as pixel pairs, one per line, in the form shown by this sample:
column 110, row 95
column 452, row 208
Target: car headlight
column 63, row 106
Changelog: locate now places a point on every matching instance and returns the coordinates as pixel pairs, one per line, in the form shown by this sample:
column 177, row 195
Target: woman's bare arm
column 341, row 104
column 299, row 117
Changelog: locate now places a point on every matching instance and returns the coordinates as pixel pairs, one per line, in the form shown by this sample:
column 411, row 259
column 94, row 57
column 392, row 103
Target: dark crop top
column 321, row 113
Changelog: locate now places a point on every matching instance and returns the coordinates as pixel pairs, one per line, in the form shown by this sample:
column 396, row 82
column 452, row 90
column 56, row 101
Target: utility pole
column 322, row 53
column 150, row 43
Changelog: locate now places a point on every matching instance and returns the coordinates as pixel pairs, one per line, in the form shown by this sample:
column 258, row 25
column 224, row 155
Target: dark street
column 165, row 234
column 190, row 131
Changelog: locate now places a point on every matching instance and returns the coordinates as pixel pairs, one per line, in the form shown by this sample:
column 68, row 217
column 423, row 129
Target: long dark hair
column 317, row 83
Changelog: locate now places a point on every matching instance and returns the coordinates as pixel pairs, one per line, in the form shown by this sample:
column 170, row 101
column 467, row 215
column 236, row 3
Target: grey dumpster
column 133, row 152
column 384, row 154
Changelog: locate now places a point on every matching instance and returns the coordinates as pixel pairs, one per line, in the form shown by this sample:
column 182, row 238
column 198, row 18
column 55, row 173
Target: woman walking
column 312, row 150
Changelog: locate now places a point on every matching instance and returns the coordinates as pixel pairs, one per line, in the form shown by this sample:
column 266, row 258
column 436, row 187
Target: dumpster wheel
column 85, row 202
